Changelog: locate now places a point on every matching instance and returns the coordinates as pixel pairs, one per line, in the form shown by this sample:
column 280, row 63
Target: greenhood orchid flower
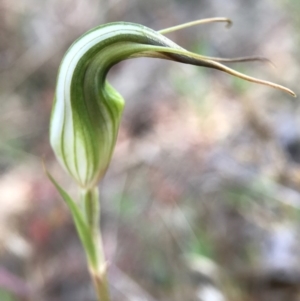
column 87, row 109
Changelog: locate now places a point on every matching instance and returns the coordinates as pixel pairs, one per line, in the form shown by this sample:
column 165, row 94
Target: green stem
column 98, row 270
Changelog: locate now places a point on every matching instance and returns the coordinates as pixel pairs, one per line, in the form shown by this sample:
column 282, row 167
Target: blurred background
column 202, row 198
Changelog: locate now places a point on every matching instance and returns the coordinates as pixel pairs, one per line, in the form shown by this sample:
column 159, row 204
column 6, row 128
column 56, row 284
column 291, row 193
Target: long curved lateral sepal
column 87, row 109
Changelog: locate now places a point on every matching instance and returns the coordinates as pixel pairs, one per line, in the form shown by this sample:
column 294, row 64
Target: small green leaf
column 80, row 223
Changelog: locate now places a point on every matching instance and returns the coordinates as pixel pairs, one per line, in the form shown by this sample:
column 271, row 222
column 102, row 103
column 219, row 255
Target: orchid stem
column 98, row 270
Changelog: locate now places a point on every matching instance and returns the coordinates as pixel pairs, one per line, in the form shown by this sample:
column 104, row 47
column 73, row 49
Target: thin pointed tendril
column 253, row 79
column 242, row 59
column 194, row 23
